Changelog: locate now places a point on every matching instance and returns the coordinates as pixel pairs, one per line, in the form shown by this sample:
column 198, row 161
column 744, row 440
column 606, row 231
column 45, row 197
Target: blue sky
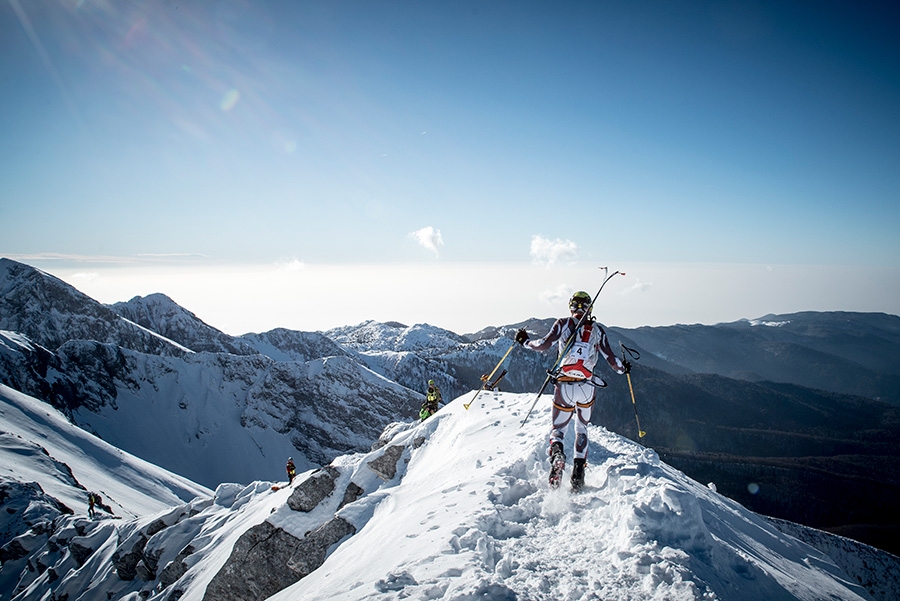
column 536, row 141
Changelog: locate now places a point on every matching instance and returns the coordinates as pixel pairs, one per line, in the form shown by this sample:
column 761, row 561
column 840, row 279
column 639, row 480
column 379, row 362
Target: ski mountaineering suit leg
column 574, row 389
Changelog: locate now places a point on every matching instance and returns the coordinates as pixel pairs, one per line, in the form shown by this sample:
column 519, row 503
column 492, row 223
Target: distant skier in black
column 291, row 469
column 432, row 401
column 575, row 382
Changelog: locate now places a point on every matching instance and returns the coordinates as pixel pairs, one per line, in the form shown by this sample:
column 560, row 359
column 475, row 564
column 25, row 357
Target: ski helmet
column 580, row 301
column 431, row 382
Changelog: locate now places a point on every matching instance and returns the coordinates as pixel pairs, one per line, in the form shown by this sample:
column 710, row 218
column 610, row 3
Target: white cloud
column 429, row 238
column 548, row 252
column 638, row 286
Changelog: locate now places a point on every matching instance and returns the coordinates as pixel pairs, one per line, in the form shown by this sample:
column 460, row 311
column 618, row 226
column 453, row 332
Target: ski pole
column 636, row 356
column 537, row 398
column 488, row 379
column 569, row 342
column 641, row 433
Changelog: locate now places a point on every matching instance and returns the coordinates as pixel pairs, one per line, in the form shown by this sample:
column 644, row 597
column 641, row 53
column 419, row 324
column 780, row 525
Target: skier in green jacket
column 432, row 401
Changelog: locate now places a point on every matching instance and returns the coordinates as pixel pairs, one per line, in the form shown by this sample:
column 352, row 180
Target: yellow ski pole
column 634, row 355
column 641, row 433
column 488, row 378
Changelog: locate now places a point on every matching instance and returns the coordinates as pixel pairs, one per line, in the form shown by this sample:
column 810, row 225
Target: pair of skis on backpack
column 558, row 466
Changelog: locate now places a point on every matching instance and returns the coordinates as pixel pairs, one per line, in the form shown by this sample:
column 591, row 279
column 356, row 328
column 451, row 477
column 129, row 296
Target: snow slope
column 38, row 442
column 471, row 516
column 458, row 508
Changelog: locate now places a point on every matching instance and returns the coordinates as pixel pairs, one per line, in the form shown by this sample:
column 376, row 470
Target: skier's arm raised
column 543, row 344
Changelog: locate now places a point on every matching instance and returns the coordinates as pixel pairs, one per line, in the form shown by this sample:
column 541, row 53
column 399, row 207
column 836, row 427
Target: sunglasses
column 579, row 305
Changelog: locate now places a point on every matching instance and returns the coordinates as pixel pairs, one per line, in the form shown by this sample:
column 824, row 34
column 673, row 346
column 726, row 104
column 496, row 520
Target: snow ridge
column 471, row 516
column 456, row 507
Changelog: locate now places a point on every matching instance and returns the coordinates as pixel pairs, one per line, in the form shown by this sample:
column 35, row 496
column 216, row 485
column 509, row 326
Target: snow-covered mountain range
column 153, row 381
column 456, row 507
column 223, row 413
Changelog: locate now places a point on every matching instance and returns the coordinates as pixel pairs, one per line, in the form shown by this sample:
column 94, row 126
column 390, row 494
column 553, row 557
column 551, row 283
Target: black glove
column 521, row 336
column 627, row 366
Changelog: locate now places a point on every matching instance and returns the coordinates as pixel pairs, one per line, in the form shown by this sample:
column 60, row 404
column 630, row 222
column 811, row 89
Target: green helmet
column 580, row 301
column 431, row 382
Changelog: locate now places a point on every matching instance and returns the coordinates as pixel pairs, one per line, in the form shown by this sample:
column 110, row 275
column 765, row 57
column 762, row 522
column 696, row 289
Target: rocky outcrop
column 312, row 490
column 351, row 493
column 126, row 561
column 176, row 568
column 385, row 465
column 132, row 560
column 12, row 551
column 80, row 553
column 266, row 559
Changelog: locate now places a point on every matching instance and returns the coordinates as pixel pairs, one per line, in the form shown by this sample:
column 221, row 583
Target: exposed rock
column 351, row 493
column 311, row 491
column 150, row 565
column 175, row 569
column 315, row 545
column 12, row 551
column 29, row 511
column 126, row 562
column 143, row 572
column 80, row 553
column 157, row 526
column 266, row 559
column 385, row 466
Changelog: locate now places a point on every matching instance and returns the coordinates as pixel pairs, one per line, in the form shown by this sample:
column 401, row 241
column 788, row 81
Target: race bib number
column 579, row 351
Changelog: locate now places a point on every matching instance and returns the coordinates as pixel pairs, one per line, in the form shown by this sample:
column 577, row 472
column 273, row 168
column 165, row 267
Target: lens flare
column 230, row 99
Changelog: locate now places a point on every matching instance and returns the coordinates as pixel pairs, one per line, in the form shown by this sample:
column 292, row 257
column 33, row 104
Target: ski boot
column 557, row 464
column 578, row 474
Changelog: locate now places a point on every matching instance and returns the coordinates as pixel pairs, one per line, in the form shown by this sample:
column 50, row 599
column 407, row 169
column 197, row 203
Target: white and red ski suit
column 574, row 390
